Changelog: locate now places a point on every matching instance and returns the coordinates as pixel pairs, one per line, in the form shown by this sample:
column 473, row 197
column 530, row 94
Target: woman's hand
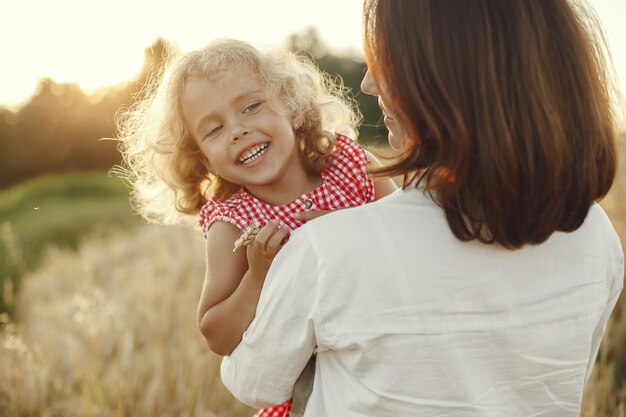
column 262, row 250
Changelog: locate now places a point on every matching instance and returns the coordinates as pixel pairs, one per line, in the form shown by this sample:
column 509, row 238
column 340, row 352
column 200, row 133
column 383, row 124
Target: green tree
column 60, row 129
column 351, row 71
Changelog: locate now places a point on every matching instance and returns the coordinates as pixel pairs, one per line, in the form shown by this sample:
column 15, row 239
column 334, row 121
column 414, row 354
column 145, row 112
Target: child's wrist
column 258, row 272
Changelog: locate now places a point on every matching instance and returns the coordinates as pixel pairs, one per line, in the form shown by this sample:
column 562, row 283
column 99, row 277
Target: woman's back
column 466, row 329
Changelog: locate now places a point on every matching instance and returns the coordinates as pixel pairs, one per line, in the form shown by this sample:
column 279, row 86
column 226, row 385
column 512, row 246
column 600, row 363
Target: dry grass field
column 109, row 330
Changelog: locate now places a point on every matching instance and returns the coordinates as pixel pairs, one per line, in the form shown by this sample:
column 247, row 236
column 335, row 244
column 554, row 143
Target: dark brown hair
column 507, row 109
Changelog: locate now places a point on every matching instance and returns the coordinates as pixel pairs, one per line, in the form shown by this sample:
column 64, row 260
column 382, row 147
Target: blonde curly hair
column 170, row 177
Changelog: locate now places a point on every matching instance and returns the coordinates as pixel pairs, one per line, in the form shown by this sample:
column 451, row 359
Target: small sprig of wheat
column 247, row 236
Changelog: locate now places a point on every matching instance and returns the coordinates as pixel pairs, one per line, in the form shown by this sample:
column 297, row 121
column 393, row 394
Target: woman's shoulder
column 598, row 225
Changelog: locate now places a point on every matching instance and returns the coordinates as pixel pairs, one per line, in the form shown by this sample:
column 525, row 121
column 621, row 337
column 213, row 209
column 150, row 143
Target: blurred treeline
column 60, row 129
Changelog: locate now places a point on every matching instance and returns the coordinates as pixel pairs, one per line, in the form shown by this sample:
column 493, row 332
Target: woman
column 483, row 287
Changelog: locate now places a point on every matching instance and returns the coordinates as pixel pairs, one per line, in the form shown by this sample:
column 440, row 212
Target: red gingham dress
column 345, row 184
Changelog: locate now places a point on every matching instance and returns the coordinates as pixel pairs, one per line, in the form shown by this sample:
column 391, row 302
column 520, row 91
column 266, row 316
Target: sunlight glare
column 101, row 44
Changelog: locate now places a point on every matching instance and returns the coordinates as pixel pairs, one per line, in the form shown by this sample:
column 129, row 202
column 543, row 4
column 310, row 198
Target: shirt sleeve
column 614, row 292
column 213, row 211
column 264, row 367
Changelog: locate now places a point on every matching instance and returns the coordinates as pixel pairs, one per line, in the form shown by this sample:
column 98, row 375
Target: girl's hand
column 310, row 215
column 265, row 246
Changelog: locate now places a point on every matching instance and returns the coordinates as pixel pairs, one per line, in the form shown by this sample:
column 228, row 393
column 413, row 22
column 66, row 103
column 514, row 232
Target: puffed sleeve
column 214, row 210
column 616, row 285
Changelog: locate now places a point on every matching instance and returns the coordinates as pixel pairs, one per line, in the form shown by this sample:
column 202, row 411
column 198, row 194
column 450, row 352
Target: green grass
column 55, row 210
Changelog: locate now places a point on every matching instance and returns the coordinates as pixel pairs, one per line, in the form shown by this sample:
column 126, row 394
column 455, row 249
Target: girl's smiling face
column 246, row 140
column 397, row 136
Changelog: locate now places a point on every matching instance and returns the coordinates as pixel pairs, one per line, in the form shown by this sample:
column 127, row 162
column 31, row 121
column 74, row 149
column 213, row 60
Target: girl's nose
column 239, row 132
column 368, row 86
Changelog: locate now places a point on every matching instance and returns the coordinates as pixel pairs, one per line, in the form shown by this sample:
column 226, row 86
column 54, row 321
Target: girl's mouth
column 253, row 154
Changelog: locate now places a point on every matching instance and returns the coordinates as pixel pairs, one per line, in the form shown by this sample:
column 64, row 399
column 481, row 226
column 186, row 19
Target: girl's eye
column 212, row 131
column 252, row 107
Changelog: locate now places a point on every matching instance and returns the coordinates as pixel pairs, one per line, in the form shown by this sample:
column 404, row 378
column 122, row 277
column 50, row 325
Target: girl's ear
column 296, row 121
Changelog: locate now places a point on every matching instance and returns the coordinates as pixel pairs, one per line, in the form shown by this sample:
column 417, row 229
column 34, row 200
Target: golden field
column 109, row 330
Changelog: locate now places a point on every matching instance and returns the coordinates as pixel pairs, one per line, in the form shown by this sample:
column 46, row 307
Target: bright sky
column 98, row 43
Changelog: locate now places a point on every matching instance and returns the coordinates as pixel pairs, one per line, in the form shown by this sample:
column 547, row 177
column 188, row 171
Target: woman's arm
column 257, row 372
column 233, row 283
column 382, row 186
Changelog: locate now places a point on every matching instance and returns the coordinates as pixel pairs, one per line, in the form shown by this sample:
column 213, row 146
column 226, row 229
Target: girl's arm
column 233, row 283
column 382, row 186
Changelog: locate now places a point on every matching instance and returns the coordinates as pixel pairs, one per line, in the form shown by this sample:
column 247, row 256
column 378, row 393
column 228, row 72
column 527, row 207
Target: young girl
column 243, row 138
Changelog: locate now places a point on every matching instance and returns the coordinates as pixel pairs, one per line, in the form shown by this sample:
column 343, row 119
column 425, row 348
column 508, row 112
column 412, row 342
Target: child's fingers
column 274, row 242
column 310, row 215
column 264, row 247
column 266, row 232
column 269, row 238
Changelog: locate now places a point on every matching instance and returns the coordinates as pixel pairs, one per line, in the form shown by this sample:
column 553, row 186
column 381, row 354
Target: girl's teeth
column 253, row 154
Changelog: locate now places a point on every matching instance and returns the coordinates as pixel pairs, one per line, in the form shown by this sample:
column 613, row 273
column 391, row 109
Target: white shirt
column 410, row 321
